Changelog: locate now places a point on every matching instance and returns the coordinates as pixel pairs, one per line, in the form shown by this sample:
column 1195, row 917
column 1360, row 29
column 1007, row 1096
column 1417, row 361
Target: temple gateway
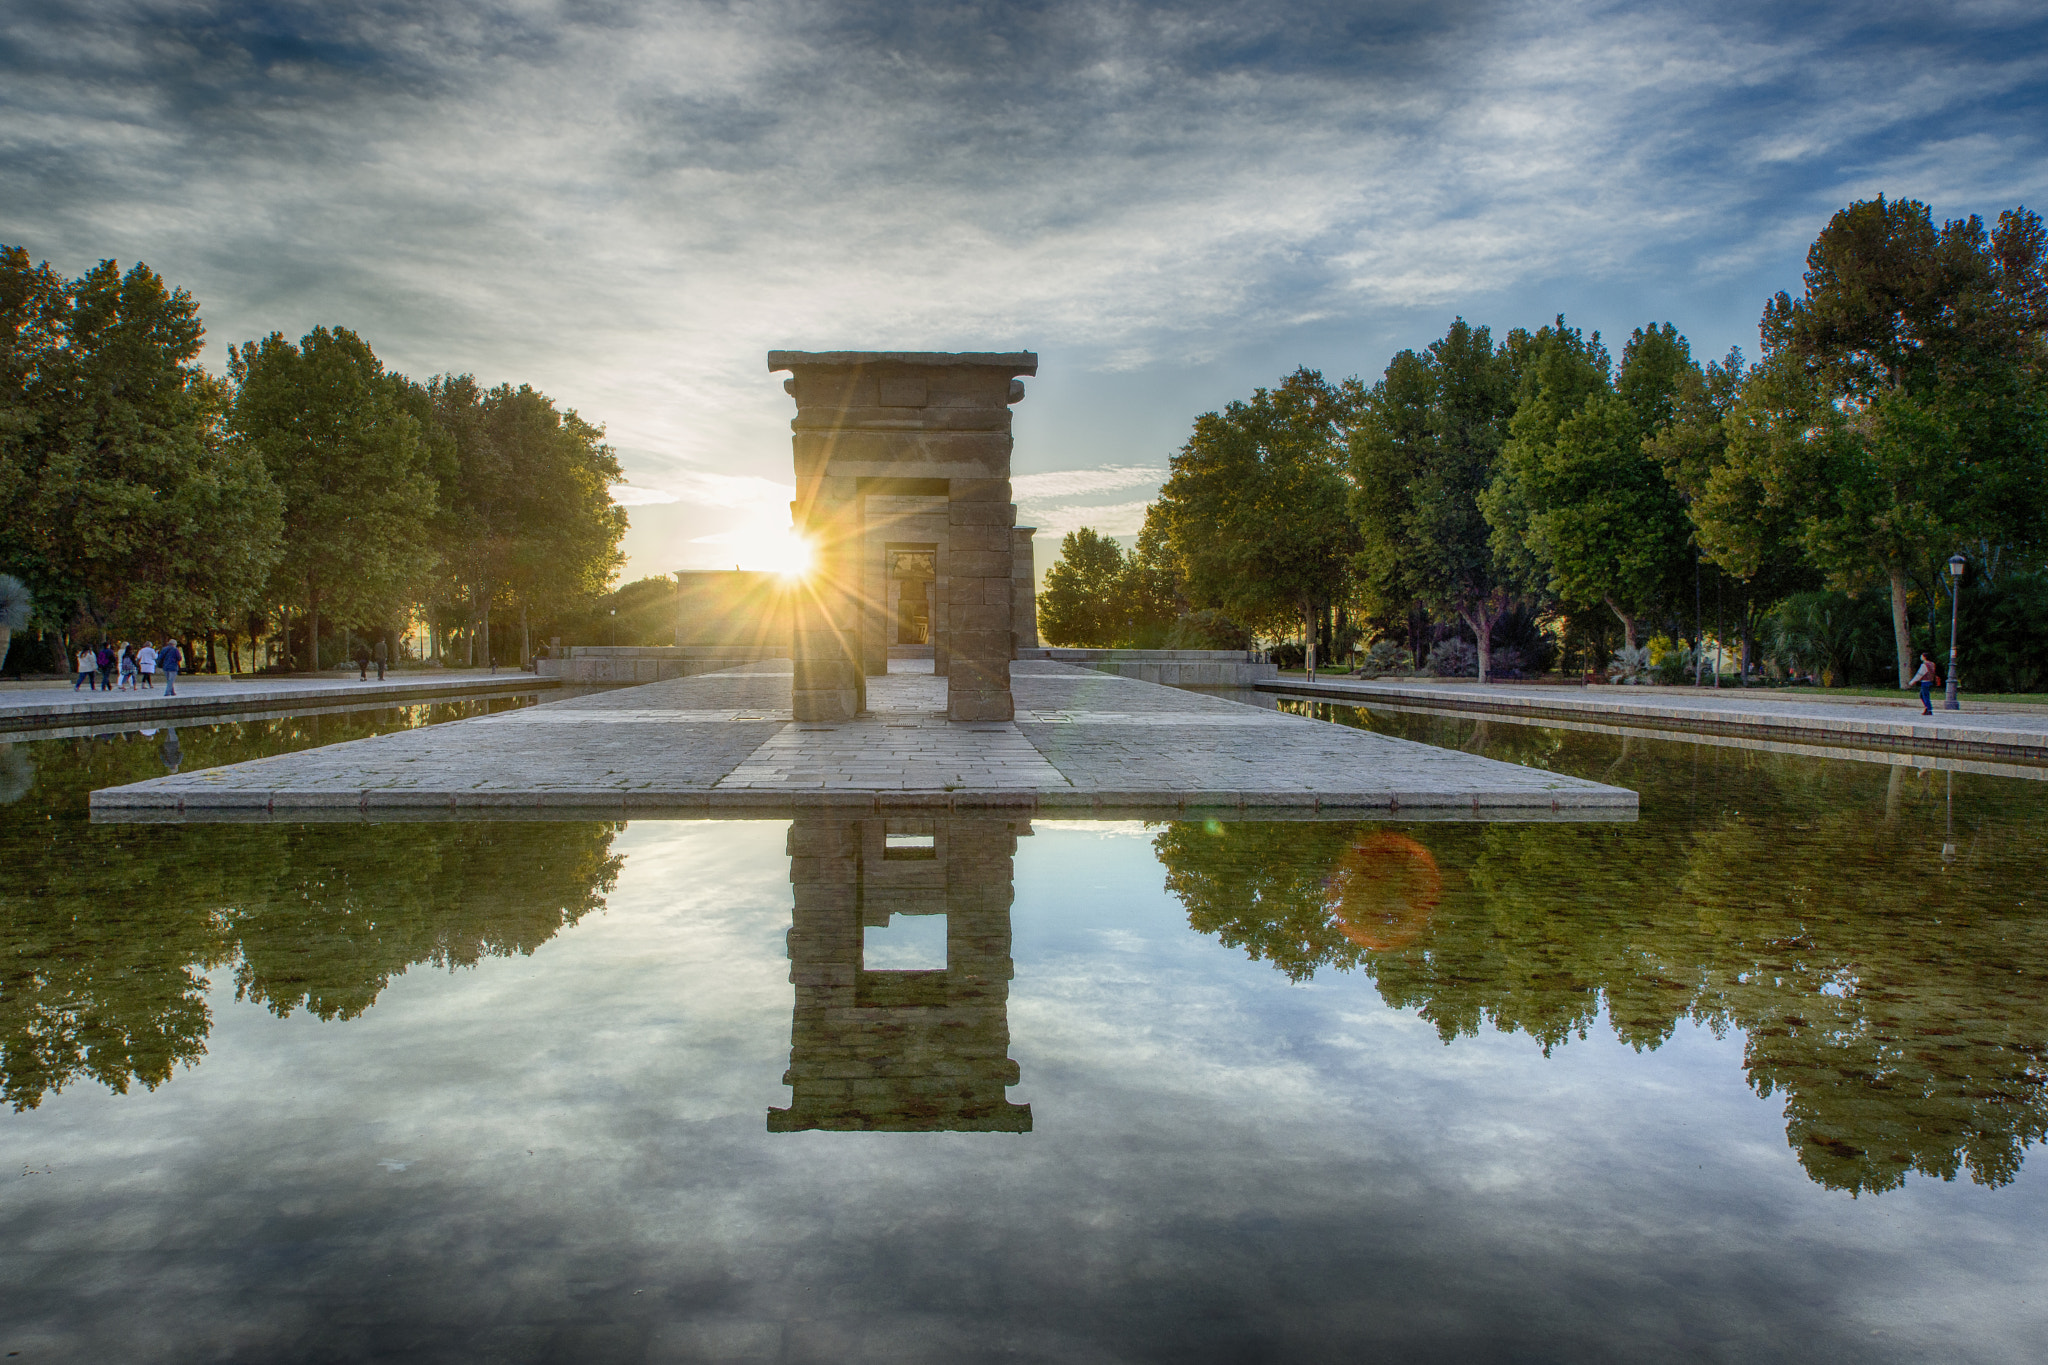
column 903, row 490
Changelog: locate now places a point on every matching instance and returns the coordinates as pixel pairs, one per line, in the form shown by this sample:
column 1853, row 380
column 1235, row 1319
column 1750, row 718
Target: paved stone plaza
column 728, row 742
column 1994, row 731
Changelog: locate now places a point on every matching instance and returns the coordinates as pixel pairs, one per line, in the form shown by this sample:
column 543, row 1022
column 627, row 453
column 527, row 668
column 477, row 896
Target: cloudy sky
column 626, row 205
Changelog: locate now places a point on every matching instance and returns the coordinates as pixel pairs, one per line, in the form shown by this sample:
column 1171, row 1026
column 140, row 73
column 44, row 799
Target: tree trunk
column 1481, row 620
column 1902, row 628
column 490, row 660
column 285, row 626
column 313, row 624
column 1628, row 623
column 525, row 638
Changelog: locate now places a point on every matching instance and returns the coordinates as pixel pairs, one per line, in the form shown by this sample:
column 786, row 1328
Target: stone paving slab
column 724, row 742
column 43, row 705
column 2003, row 733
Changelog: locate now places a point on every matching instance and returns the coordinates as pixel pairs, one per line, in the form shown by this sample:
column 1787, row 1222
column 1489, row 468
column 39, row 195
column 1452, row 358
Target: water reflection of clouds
column 1223, row 1162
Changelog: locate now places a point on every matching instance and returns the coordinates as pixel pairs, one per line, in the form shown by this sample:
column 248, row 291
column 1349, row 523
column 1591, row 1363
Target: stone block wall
column 897, row 424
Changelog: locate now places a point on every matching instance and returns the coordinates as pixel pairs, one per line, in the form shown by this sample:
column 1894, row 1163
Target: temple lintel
column 1016, row 362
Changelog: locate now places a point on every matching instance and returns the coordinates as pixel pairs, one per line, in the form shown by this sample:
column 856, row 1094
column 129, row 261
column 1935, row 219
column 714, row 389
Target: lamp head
column 1956, row 564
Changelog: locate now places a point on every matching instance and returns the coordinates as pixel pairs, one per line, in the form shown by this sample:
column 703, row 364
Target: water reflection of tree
column 108, row 932
column 1893, row 1000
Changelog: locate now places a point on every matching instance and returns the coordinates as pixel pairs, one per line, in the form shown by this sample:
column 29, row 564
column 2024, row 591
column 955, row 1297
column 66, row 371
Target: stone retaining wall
column 631, row 664
column 1170, row 667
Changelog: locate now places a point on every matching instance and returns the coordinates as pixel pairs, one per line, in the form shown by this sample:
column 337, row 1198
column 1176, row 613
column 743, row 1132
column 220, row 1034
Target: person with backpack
column 1927, row 679
column 168, row 658
column 103, row 657
column 129, row 670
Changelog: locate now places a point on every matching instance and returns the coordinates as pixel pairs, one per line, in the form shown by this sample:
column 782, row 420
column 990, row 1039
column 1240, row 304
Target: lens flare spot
column 1383, row 891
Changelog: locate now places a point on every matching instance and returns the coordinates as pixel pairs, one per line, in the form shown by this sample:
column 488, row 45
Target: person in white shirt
column 88, row 666
column 145, row 659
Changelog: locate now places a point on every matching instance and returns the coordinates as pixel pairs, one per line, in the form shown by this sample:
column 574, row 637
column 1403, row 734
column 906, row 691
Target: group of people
column 135, row 666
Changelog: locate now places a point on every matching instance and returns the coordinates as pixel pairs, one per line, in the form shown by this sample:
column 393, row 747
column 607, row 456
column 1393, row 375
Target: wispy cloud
column 1074, row 483
column 1110, row 519
column 627, row 495
column 628, row 204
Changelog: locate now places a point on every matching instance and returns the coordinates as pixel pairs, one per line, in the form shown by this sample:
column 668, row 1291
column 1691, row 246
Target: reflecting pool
column 1756, row 1076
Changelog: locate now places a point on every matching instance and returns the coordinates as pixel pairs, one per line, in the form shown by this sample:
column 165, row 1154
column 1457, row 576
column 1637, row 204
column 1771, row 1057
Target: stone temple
column 903, row 491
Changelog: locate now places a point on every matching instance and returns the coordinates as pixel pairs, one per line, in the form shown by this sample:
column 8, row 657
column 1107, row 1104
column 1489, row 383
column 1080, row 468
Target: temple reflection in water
column 880, row 1047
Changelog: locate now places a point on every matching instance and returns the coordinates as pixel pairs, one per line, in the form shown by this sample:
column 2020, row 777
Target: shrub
column 1840, row 638
column 1289, row 654
column 1386, row 656
column 1453, row 659
column 1631, row 666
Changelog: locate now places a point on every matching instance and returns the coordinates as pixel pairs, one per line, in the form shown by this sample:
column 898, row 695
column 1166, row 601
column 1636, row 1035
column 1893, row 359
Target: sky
column 627, row 204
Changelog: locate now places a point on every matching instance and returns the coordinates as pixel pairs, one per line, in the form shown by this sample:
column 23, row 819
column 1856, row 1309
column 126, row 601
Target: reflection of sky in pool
column 1685, row 1088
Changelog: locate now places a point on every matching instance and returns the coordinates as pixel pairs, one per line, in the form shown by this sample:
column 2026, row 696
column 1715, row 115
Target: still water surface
column 1754, row 1077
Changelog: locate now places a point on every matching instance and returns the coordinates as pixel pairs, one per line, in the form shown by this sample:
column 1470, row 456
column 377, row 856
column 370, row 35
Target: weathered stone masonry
column 904, row 425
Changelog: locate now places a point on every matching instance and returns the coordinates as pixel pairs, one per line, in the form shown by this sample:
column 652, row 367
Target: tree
column 1578, row 490
column 1425, row 449
column 1256, row 508
column 328, row 423
column 527, row 513
column 1920, row 350
column 125, row 504
column 1706, row 451
column 1081, row 604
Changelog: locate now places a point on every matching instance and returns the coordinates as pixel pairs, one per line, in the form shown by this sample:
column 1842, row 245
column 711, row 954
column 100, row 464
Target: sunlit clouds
column 627, row 206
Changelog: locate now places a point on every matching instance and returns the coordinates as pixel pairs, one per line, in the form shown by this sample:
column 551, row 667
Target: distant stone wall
column 1171, row 667
column 629, row 664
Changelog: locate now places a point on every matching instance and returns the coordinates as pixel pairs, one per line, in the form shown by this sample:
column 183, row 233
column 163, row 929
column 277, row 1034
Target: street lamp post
column 1956, row 565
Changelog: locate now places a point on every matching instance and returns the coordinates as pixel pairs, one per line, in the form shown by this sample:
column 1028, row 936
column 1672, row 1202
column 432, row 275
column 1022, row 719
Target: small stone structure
column 901, row 1051
column 903, row 490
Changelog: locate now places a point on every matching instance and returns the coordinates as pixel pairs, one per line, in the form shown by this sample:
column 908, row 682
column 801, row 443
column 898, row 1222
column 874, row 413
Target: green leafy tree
column 1920, row 351
column 330, row 425
column 1578, row 491
column 1714, row 451
column 1257, row 507
column 1426, row 447
column 1082, row 602
column 527, row 511
column 125, row 504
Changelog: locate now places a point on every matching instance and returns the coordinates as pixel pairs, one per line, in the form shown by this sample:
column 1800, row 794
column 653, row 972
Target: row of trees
column 308, row 487
column 1898, row 415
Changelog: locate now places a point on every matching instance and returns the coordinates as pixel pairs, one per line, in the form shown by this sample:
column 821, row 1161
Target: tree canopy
column 126, row 505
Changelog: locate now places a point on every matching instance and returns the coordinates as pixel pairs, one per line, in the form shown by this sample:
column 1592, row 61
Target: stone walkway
column 2007, row 733
column 724, row 742
column 39, row 705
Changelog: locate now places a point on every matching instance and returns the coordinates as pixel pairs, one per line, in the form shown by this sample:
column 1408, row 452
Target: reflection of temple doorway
column 899, row 950
column 913, row 572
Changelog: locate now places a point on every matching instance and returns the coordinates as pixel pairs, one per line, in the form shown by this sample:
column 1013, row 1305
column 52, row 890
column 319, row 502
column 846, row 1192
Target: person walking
column 362, row 661
column 88, row 667
column 145, row 663
column 168, row 658
column 104, row 658
column 382, row 656
column 130, row 672
column 1927, row 679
